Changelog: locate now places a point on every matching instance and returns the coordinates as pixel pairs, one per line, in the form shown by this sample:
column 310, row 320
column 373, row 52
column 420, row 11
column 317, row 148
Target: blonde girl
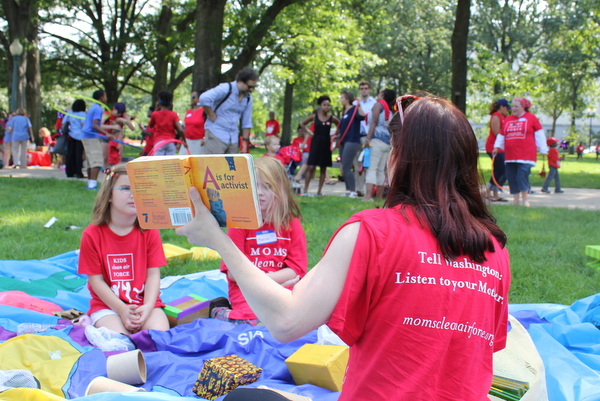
column 278, row 248
column 122, row 262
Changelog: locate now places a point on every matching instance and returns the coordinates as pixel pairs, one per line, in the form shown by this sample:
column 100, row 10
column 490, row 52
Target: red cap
column 551, row 141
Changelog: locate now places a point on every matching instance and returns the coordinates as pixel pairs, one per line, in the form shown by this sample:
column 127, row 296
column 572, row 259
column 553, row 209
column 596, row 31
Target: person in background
column 378, row 139
column 350, row 143
column 92, row 127
column 303, row 143
column 520, row 137
column 165, row 125
column 75, row 121
column 147, row 134
column 553, row 165
column 20, row 128
column 384, row 283
column 320, row 148
column 129, row 301
column 272, row 125
column 280, row 242
column 225, row 105
column 7, row 140
column 498, row 112
column 194, row 125
column 580, row 148
column 272, row 146
column 366, row 103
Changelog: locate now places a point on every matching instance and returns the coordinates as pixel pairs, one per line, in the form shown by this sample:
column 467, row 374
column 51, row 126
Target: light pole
column 16, row 49
column 591, row 114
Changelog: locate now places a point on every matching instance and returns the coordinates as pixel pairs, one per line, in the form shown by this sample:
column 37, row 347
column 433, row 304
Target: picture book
column 227, row 185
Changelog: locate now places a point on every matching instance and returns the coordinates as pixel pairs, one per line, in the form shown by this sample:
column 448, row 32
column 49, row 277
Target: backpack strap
column 225, row 98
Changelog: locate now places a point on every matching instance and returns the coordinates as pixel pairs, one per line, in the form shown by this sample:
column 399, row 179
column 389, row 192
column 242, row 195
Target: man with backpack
column 225, row 105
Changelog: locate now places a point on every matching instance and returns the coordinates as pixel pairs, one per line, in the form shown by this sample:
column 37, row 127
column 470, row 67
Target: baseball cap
column 503, row 102
column 120, row 107
column 551, row 141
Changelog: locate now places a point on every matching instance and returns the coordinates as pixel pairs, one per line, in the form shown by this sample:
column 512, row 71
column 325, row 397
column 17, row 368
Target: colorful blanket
column 62, row 359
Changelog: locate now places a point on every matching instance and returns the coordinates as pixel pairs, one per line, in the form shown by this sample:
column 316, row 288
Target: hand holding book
column 203, row 229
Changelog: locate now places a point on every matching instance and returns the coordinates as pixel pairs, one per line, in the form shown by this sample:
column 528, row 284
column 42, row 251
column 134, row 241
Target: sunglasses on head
column 402, row 102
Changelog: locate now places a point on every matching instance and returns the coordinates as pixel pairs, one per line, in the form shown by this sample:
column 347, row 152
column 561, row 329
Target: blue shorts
column 518, row 177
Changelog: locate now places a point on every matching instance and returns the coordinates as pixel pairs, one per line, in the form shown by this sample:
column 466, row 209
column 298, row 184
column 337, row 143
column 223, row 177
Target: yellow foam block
column 176, row 252
column 320, row 365
column 203, row 253
column 593, row 251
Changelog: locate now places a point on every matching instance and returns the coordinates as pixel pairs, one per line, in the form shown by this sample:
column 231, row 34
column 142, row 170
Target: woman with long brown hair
column 418, row 289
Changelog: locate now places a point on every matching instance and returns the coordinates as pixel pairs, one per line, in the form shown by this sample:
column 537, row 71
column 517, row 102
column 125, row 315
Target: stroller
column 290, row 156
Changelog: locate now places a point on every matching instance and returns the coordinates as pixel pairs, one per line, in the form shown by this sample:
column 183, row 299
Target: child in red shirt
column 554, row 164
column 580, row 149
column 122, row 262
column 165, row 125
column 278, row 247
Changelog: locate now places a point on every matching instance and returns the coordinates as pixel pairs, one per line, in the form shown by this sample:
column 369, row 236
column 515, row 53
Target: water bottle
column 367, row 158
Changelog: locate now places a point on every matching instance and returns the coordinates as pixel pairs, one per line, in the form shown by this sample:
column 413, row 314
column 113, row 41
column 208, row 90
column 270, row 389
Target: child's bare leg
column 157, row 321
column 114, row 323
column 516, row 199
column 524, row 196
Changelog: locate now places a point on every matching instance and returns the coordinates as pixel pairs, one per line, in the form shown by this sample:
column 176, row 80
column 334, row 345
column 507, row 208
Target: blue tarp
column 566, row 337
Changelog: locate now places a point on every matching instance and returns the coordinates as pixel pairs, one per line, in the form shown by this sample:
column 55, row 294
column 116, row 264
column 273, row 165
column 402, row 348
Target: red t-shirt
column 194, row 124
column 114, row 153
column 162, row 123
column 519, row 137
column 489, row 144
column 580, row 148
column 286, row 249
column 419, row 328
column 122, row 260
column 272, row 128
column 304, row 147
column 553, row 158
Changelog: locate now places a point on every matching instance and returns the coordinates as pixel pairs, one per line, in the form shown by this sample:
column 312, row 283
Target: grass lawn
column 573, row 173
column 546, row 244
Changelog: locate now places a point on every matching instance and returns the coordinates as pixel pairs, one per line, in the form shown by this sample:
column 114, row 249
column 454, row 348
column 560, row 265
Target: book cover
column 227, row 185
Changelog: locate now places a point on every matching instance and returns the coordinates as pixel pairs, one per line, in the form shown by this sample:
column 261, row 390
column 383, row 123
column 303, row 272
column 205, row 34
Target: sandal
column 331, row 182
column 498, row 200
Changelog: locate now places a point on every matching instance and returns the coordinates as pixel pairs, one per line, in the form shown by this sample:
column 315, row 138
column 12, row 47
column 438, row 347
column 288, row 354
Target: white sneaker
column 353, row 195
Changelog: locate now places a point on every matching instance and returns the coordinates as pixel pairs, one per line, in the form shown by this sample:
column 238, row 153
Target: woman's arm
column 306, row 121
column 287, row 314
column 373, row 124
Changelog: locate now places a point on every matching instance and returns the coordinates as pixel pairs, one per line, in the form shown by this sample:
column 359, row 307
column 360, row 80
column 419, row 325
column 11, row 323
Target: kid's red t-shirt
column 272, row 127
column 162, row 123
column 419, row 327
column 122, row 261
column 269, row 252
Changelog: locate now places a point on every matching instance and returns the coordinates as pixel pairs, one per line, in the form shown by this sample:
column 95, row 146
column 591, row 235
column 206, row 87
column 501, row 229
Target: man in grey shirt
column 225, row 105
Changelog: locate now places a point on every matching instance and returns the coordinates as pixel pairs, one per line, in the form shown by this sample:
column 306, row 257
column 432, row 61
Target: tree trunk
column 209, row 34
column 22, row 17
column 460, row 37
column 161, row 64
column 288, row 99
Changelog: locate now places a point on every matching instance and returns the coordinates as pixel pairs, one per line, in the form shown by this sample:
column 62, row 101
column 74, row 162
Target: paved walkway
column 572, row 198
